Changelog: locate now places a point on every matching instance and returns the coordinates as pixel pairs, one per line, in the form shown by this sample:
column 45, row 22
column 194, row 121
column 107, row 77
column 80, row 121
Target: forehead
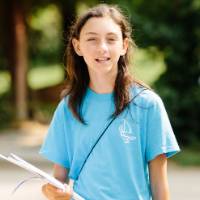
column 100, row 25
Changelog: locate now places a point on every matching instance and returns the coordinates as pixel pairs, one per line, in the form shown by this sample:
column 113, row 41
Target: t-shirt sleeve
column 160, row 136
column 54, row 147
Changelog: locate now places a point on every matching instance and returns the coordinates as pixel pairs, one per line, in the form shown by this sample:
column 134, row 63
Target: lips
column 102, row 59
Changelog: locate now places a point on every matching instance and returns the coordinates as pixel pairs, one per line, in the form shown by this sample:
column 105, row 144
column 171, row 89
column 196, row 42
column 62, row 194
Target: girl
column 110, row 134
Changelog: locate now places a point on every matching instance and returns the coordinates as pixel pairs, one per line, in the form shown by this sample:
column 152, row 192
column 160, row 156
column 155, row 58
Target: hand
column 53, row 193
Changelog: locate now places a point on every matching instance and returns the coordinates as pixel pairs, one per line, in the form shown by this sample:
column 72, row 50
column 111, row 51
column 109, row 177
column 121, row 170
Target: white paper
column 36, row 171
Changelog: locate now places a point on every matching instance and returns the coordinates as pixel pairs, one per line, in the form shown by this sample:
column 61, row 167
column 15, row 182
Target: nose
column 103, row 46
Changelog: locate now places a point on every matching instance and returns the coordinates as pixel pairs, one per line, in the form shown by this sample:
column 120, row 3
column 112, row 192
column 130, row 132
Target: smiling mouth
column 102, row 59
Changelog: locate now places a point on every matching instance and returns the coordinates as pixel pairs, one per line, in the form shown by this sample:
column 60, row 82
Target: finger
column 51, row 188
column 60, row 195
column 63, row 197
column 44, row 190
column 53, row 193
column 49, row 191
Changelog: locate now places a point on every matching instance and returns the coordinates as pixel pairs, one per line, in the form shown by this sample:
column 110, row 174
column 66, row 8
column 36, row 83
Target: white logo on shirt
column 126, row 131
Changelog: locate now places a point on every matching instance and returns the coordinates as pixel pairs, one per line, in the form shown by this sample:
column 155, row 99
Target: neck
column 102, row 84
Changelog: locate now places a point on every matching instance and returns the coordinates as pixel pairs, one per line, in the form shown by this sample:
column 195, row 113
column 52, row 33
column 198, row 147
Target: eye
column 111, row 40
column 91, row 39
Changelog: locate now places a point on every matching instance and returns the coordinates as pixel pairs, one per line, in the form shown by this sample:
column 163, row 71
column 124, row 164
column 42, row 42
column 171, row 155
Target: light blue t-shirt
column 117, row 168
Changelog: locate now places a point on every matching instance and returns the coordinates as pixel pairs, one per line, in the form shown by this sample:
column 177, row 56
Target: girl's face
column 101, row 44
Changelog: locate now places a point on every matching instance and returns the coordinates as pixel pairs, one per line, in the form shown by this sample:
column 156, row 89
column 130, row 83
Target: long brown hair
column 76, row 68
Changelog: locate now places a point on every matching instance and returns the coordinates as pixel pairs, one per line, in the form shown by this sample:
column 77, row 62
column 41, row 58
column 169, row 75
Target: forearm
column 158, row 178
column 60, row 173
column 160, row 192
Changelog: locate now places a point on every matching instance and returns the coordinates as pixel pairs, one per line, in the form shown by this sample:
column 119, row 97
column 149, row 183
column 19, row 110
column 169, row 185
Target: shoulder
column 62, row 106
column 145, row 97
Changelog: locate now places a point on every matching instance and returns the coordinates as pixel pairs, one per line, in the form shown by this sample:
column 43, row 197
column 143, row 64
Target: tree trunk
column 21, row 61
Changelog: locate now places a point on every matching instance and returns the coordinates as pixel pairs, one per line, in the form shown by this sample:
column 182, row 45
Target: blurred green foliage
column 148, row 65
column 6, row 110
column 174, row 29
column 45, row 35
column 45, row 75
column 4, row 82
column 188, row 157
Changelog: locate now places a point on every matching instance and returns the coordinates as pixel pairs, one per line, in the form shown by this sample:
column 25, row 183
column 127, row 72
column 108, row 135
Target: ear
column 76, row 46
column 125, row 46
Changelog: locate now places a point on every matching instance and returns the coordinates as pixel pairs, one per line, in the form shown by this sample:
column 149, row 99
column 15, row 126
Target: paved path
column 10, row 177
column 184, row 182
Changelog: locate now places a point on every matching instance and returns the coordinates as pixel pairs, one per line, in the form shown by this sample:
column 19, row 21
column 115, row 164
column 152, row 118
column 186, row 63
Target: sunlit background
column 33, row 36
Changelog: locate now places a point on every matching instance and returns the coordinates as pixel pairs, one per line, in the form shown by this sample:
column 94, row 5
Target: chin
column 105, row 70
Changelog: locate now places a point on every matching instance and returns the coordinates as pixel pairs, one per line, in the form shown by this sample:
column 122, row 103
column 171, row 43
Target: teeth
column 102, row 59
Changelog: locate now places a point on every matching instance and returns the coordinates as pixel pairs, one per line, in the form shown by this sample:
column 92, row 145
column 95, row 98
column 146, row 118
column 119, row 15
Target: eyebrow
column 93, row 33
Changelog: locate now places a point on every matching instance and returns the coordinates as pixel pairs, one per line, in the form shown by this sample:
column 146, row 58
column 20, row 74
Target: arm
column 53, row 193
column 60, row 173
column 158, row 178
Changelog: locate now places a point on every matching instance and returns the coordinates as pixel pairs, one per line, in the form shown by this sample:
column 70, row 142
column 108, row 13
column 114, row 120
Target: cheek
column 87, row 54
column 117, row 51
column 87, row 50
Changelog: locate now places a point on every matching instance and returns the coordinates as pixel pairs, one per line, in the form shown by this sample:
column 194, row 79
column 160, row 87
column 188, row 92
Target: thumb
column 67, row 190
